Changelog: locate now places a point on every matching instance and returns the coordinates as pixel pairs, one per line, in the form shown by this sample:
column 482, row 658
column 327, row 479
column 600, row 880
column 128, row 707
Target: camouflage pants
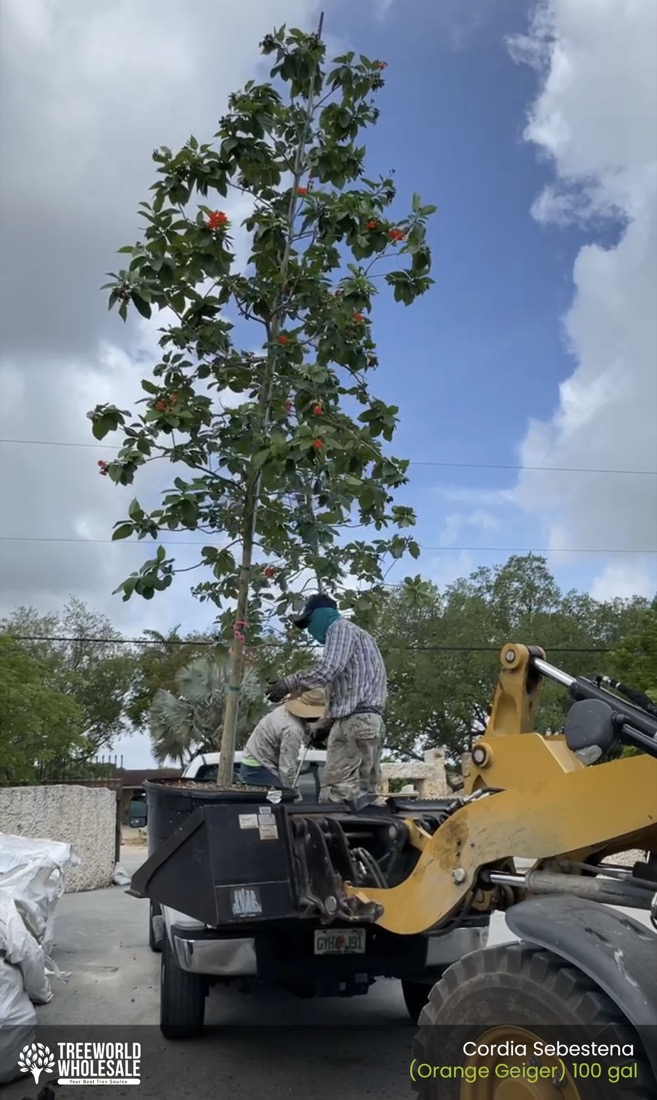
column 353, row 758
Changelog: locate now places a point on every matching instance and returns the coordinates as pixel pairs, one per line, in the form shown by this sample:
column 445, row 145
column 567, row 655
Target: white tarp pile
column 31, row 883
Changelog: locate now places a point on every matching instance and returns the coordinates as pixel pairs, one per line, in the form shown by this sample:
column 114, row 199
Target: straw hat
column 311, row 704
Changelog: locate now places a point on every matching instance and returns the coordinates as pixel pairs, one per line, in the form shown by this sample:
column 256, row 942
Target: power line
column 191, row 642
column 413, row 462
column 440, row 549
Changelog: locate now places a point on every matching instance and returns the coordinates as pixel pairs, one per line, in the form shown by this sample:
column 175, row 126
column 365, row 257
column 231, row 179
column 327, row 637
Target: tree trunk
column 252, row 495
column 231, row 713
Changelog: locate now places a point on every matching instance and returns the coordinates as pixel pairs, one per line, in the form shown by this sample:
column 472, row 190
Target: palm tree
column 191, row 720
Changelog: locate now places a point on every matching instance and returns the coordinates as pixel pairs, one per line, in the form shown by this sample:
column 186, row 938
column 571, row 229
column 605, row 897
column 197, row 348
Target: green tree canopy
column 187, row 721
column 40, row 728
column 277, row 476
column 634, row 661
column 84, row 657
column 157, row 665
column 440, row 692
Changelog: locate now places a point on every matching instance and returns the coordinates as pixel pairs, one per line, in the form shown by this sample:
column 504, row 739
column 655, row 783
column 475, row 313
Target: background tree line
column 70, row 684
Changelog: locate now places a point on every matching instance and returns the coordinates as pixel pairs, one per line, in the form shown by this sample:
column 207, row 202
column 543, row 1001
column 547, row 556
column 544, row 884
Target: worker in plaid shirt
column 353, row 674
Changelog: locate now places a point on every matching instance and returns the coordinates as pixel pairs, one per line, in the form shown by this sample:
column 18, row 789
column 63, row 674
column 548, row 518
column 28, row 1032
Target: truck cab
column 204, row 766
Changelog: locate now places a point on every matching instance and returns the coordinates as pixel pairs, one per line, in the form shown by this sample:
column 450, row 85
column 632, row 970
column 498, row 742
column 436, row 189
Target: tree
column 157, row 666
column 188, row 721
column 277, row 475
column 84, row 657
column 634, row 661
column 40, row 728
column 442, row 676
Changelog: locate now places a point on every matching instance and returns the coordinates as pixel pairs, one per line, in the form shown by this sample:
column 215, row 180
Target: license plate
column 340, row 942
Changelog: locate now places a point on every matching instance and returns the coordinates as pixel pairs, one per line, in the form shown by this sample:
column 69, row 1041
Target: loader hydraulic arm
column 530, row 797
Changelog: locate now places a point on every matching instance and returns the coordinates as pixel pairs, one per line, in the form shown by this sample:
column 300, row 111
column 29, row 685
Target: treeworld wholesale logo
column 84, row 1063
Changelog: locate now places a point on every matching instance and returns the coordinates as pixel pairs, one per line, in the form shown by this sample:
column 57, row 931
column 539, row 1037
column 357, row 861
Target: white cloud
column 444, row 569
column 458, row 522
column 595, row 123
column 622, row 580
column 468, row 495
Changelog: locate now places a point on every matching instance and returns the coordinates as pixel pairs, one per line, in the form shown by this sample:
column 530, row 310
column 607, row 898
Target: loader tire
column 155, row 927
column 523, row 994
column 182, row 997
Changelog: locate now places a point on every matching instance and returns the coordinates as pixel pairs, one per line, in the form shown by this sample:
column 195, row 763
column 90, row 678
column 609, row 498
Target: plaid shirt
column 352, row 669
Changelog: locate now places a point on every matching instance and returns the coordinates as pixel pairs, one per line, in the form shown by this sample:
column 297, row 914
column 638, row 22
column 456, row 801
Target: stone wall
column 82, row 816
column 427, row 778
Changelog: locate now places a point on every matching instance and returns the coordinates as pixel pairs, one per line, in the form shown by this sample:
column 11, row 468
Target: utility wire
column 442, row 549
column 413, row 462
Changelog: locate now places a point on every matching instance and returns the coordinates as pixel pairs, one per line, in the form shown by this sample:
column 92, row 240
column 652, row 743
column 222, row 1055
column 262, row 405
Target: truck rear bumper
column 201, row 950
column 216, row 958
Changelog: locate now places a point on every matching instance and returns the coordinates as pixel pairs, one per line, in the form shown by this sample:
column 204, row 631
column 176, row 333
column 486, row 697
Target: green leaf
column 260, row 458
column 101, row 427
column 140, row 305
column 123, row 531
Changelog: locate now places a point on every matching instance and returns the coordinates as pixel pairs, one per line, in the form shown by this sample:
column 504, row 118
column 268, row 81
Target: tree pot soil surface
column 237, row 791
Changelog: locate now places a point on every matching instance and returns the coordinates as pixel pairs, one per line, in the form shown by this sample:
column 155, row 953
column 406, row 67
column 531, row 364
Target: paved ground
column 270, row 1043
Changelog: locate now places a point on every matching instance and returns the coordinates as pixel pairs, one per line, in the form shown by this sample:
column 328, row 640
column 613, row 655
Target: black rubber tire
column 154, row 941
column 182, row 998
column 416, row 995
column 517, row 985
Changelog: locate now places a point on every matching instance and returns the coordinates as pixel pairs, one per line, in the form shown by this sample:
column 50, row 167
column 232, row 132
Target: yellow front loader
column 537, row 839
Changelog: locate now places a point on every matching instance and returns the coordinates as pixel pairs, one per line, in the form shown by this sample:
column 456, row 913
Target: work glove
column 276, row 690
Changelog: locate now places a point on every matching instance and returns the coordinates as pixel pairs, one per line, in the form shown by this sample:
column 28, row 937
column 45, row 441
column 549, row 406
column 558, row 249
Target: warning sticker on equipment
column 267, row 831
column 248, row 821
column 246, row 902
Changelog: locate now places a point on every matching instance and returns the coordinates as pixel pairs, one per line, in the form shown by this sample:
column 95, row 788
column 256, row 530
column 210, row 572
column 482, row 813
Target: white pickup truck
column 203, row 768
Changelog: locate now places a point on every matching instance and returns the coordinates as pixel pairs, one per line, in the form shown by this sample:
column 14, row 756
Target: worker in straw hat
column 271, row 754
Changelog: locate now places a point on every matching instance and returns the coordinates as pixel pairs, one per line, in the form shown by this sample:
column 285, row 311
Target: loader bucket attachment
column 219, row 871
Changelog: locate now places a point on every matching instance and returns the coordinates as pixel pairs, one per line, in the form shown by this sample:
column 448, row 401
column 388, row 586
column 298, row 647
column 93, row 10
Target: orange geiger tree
column 281, row 474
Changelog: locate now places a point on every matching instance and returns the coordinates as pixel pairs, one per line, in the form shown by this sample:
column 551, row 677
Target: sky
column 526, row 378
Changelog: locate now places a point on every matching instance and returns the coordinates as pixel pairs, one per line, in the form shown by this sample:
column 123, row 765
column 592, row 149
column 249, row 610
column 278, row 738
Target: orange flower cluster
column 166, row 402
column 217, row 219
